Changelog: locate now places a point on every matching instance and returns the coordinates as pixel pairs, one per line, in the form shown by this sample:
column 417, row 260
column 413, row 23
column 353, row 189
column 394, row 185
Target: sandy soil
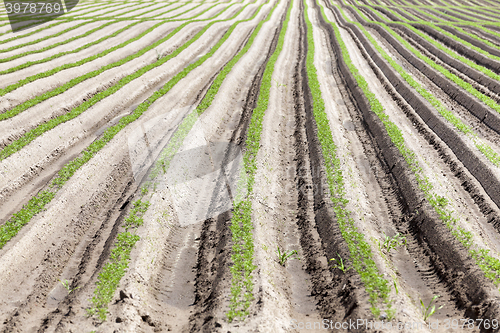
column 179, row 278
column 78, row 31
column 46, row 32
column 226, row 51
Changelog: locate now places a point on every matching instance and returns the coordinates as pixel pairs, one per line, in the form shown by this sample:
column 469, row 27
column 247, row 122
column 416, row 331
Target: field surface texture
column 251, row 166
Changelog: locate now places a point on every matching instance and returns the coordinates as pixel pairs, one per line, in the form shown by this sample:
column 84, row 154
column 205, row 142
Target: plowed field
column 252, row 166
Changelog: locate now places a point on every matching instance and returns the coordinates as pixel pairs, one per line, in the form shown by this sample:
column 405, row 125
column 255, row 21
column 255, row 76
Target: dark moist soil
column 445, row 252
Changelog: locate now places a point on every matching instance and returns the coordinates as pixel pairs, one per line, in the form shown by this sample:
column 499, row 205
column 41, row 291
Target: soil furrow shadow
column 418, row 267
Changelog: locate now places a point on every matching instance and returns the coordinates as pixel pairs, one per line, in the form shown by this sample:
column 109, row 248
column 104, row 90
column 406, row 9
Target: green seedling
column 340, row 264
column 428, row 311
column 283, row 255
column 441, row 201
column 67, row 285
column 391, row 313
column 391, row 243
column 279, row 84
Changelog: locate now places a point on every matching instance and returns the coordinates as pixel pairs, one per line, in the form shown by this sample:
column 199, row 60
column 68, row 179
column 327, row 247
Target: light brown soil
column 179, row 277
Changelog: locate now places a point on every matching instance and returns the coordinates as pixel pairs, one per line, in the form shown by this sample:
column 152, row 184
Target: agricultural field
column 251, row 166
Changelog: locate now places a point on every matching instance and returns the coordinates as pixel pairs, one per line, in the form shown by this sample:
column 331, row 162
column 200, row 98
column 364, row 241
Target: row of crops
column 401, row 28
column 488, row 264
column 443, row 59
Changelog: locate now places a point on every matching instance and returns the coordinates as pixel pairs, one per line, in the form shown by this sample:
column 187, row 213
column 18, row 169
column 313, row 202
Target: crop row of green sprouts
column 489, row 264
column 38, row 202
column 241, row 220
column 483, row 147
column 112, row 272
column 31, row 135
column 360, row 251
column 163, row 162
